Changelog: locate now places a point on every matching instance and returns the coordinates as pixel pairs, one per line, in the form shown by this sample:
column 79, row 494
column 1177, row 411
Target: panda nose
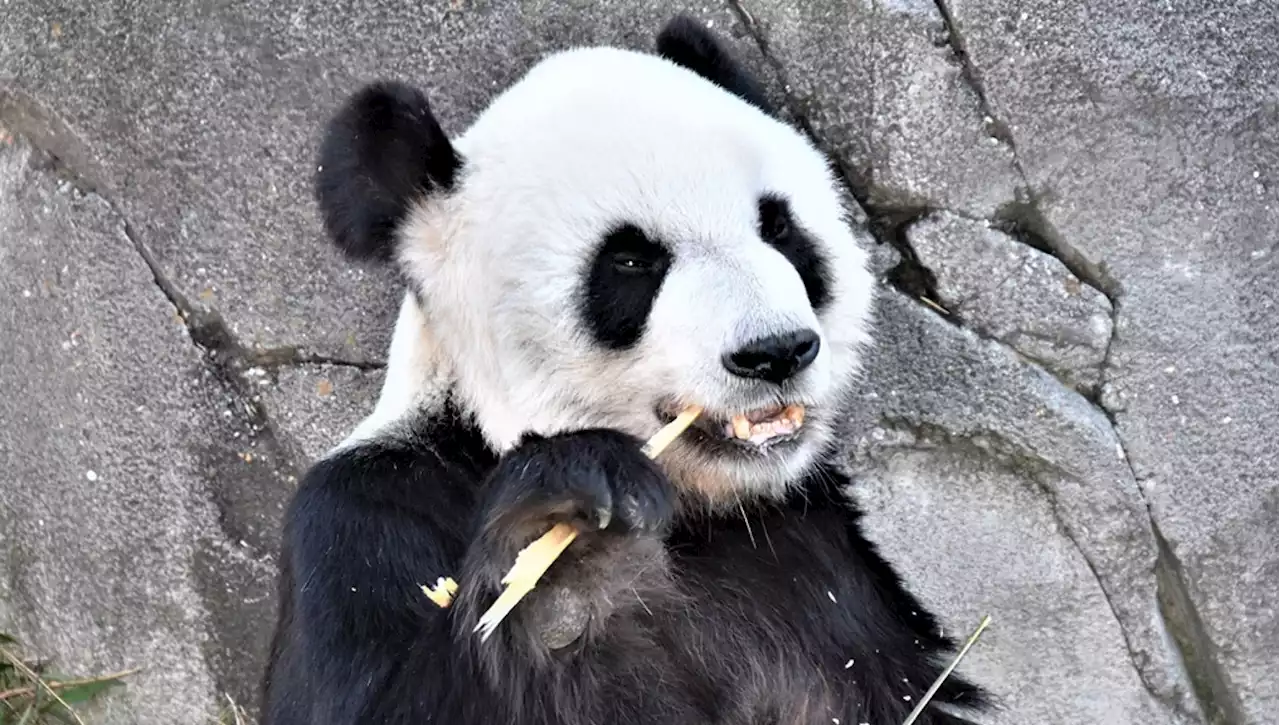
column 775, row 358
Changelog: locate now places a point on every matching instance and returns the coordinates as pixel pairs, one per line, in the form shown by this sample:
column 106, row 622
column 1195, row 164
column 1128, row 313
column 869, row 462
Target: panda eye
column 622, row 280
column 631, row 253
column 630, row 263
column 775, row 219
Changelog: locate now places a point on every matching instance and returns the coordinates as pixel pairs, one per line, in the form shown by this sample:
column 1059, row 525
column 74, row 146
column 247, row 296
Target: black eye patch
column 622, row 281
column 779, row 229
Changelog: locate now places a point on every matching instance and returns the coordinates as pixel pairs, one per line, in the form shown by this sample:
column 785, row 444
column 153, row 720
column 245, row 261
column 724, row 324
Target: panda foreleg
column 358, row 642
column 622, row 504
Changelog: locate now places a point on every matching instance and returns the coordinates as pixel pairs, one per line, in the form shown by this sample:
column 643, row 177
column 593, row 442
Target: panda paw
column 601, row 483
column 595, row 480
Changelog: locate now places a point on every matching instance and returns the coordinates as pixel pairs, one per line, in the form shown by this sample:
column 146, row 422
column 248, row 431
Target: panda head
column 618, row 235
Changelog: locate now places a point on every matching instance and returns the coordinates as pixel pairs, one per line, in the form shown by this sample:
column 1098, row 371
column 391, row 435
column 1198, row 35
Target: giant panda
column 617, row 235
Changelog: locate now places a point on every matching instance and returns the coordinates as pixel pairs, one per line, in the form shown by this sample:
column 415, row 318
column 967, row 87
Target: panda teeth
column 786, row 422
column 795, row 413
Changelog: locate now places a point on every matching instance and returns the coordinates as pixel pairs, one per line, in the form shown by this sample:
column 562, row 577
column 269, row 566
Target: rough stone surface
column 106, row 492
column 1010, row 292
column 1126, row 552
column 879, row 85
column 942, row 408
column 1149, row 135
column 939, row 506
column 315, row 406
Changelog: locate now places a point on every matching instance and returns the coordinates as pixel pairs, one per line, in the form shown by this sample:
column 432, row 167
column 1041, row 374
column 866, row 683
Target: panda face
column 617, row 237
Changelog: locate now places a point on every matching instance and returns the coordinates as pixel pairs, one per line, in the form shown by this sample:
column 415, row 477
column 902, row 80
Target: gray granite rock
column 1149, row 134
column 104, row 497
column 943, row 415
column 316, row 406
column 1010, row 292
column 975, row 535
column 879, row 85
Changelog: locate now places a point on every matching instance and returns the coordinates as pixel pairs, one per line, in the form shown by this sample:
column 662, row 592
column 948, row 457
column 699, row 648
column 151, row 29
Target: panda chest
column 752, row 625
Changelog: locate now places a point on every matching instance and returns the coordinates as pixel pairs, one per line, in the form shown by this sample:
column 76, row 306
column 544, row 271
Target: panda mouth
column 759, row 428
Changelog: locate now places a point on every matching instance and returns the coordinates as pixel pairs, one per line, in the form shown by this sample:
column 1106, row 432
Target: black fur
column 688, row 43
column 622, row 282
column 778, row 228
column 752, row 618
column 381, row 152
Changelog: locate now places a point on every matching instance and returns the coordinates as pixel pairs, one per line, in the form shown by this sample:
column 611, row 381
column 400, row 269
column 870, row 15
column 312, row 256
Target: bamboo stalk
column 928, row 695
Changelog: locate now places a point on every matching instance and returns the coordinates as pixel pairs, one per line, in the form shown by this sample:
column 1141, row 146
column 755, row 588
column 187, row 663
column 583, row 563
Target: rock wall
column 1068, row 423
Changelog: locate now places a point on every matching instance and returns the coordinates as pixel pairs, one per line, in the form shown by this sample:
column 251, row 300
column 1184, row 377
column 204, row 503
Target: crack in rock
column 225, row 356
column 1218, row 704
column 1180, row 617
column 1022, row 219
column 209, row 330
column 972, row 78
column 64, row 155
column 228, row 505
column 1038, row 472
column 226, row 359
column 1013, row 294
column 292, row 355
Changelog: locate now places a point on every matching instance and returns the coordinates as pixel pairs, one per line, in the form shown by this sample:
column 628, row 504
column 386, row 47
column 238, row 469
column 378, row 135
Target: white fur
column 587, row 139
column 417, row 379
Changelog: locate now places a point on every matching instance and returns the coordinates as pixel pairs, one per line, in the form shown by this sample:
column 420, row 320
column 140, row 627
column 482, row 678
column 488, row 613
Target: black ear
column 381, row 152
column 687, row 42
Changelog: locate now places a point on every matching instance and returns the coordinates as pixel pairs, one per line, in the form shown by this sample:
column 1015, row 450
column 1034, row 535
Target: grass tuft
column 33, row 694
